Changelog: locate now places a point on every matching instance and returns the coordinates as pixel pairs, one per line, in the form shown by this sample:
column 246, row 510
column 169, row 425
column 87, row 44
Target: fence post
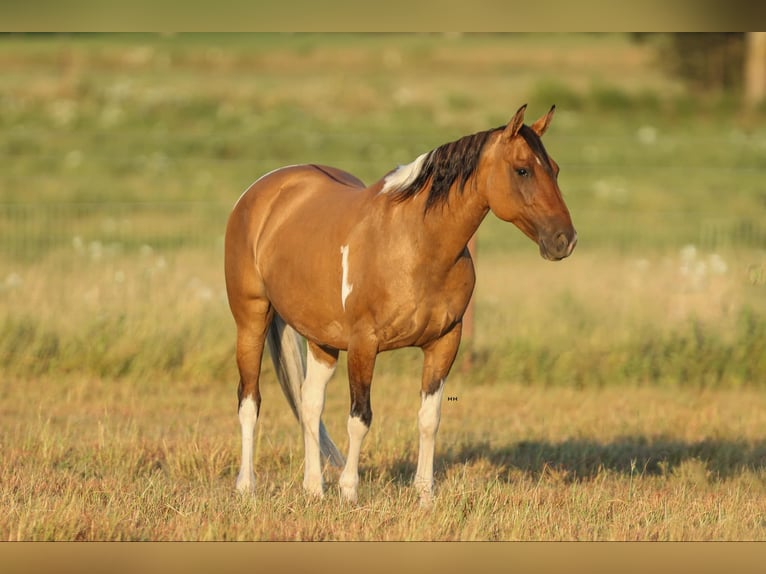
column 755, row 68
column 469, row 318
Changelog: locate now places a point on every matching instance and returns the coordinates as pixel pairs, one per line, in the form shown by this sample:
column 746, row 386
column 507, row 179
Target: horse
column 313, row 253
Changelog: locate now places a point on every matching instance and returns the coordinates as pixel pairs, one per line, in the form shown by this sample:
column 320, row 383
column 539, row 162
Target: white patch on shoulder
column 260, row 178
column 403, row 175
column 345, row 286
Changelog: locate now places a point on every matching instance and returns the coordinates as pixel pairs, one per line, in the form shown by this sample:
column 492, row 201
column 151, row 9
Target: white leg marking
column 428, row 424
column 404, row 174
column 248, row 416
column 345, row 287
column 312, row 404
column 349, row 478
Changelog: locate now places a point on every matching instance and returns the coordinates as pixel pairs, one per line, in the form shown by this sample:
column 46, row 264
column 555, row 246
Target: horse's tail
column 286, row 353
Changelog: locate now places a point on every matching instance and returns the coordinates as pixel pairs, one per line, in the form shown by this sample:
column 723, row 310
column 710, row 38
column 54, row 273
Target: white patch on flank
column 345, row 287
column 404, row 174
column 259, row 179
column 428, row 424
column 312, row 404
column 248, row 416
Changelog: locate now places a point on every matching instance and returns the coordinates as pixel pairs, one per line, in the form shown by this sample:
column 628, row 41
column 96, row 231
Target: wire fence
column 32, row 231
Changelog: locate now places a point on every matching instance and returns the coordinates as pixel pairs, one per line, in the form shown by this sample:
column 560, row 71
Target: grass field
column 617, row 395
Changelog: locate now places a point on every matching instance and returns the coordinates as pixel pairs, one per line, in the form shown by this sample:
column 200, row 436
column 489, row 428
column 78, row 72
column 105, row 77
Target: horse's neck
column 456, row 221
column 453, row 224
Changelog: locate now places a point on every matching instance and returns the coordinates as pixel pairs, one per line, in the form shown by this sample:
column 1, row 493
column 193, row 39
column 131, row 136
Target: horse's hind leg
column 320, row 367
column 253, row 319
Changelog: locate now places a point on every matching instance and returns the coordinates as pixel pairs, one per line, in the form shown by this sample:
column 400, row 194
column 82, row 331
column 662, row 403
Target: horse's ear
column 542, row 124
column 515, row 124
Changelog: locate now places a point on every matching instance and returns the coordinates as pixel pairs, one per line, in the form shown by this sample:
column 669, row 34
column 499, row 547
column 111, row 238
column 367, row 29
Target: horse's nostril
column 562, row 242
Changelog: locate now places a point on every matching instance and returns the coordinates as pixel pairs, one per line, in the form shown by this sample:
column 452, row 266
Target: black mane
column 445, row 165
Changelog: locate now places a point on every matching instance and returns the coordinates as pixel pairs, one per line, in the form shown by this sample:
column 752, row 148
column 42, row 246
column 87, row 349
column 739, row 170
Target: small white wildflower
column 109, row 225
column 403, row 96
column 698, row 275
column 13, row 280
column 111, row 115
column 96, row 250
column 688, row 253
column 92, row 295
column 647, row 135
column 120, row 90
column 204, row 293
column 199, row 289
column 717, row 264
column 158, row 162
column 699, row 269
column 642, row 265
column 612, row 190
column 73, row 159
column 63, row 112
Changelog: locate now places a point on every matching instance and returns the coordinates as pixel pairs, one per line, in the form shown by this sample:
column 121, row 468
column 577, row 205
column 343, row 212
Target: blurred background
column 122, row 155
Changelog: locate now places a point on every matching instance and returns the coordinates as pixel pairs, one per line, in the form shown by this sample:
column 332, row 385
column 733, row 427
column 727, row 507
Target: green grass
column 614, row 395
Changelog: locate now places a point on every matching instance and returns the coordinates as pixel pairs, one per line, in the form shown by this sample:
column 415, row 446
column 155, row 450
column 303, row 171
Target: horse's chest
column 422, row 308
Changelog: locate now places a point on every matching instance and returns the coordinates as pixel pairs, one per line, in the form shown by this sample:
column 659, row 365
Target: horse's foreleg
column 320, row 367
column 361, row 363
column 438, row 359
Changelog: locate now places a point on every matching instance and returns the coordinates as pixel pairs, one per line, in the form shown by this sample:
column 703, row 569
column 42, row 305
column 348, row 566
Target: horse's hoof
column 314, row 489
column 246, row 484
column 349, row 494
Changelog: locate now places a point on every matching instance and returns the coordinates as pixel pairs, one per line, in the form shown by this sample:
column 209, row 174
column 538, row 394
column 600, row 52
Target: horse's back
column 283, row 204
column 342, row 177
column 306, row 177
column 279, row 190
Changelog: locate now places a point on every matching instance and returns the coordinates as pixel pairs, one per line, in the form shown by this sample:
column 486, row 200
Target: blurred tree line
column 715, row 61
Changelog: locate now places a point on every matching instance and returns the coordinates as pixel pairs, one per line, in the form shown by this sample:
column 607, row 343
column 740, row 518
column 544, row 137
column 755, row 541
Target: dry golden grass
column 86, row 459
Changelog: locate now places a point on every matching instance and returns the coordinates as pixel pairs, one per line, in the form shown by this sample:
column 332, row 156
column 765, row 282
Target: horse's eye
column 522, row 172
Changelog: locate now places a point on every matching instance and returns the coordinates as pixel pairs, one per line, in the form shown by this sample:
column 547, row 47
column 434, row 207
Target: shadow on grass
column 582, row 460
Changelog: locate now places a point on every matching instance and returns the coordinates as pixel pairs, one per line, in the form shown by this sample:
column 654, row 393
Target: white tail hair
column 289, row 363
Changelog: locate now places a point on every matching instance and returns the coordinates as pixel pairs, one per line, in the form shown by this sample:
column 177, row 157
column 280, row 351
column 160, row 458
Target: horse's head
column 522, row 187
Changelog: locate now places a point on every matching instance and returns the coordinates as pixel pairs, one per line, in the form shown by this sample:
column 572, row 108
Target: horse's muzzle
column 560, row 246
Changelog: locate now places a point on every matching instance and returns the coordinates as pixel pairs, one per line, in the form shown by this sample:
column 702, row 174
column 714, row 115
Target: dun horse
column 311, row 251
